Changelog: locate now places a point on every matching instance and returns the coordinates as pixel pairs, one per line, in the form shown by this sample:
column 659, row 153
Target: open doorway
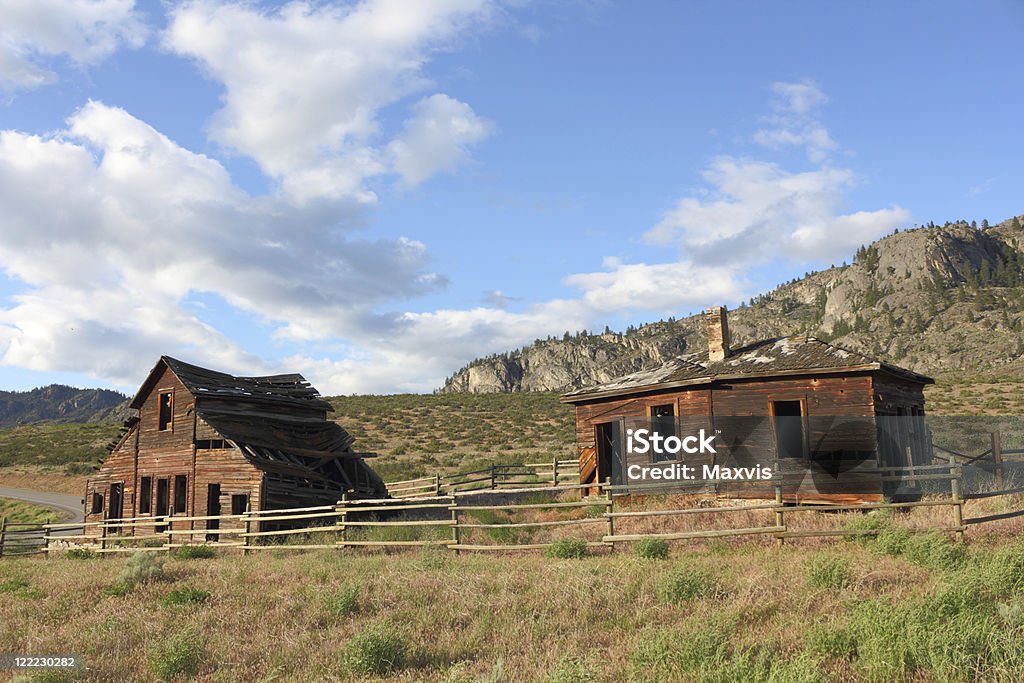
column 212, row 510
column 605, row 440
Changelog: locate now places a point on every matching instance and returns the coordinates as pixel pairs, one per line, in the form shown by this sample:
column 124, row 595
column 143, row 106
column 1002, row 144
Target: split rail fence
column 490, row 513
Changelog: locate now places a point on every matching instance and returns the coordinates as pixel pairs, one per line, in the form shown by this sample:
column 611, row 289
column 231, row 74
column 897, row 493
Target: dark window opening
column 166, row 410
column 97, row 504
column 146, row 496
column 239, row 504
column 162, row 500
column 180, row 493
column 663, row 421
column 213, row 510
column 789, row 428
column 210, row 444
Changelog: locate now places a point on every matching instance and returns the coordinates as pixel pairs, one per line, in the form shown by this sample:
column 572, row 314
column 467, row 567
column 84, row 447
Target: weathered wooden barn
column 829, row 417
column 208, row 443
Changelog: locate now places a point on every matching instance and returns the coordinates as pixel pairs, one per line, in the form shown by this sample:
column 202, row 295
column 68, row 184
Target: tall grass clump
column 934, row 550
column 684, row 584
column 570, row 670
column 869, row 525
column 343, row 601
column 651, row 548
column 829, row 571
column 186, row 596
column 193, row 552
column 567, row 549
column 181, row 654
column 380, row 649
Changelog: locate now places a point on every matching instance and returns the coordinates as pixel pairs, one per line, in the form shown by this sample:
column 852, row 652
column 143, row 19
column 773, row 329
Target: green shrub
column 79, row 468
column 14, row 585
column 81, row 554
column 141, row 567
column 683, row 584
column 193, row 552
column 567, row 549
column 342, row 602
column 378, row 650
column 652, row 548
column 186, row 596
column 181, row 654
column 828, row 571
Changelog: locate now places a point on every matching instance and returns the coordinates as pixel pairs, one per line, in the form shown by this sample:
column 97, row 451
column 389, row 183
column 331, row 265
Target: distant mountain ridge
column 934, row 299
column 61, row 403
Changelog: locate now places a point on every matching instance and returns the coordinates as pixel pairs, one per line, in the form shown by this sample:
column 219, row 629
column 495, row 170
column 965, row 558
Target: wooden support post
column 554, row 471
column 780, row 519
column 609, row 506
column 103, row 534
column 247, row 539
column 437, row 484
column 168, row 528
column 343, row 519
column 494, row 477
column 46, row 537
column 456, row 536
column 957, row 501
column 997, row 459
column 3, row 535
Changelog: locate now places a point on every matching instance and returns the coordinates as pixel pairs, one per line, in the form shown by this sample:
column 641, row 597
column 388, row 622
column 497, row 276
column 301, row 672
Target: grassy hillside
column 887, row 610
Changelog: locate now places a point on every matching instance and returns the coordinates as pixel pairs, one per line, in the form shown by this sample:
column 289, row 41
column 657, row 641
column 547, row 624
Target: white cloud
column 32, row 32
column 435, row 138
column 793, row 123
column 112, row 226
column 306, row 86
column 758, row 212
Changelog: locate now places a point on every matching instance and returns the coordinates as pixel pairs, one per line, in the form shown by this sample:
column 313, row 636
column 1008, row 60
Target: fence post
column 554, row 471
column 168, row 529
column 954, row 493
column 780, row 519
column 494, row 476
column 997, row 458
column 456, row 536
column 343, row 519
column 437, row 484
column 103, row 534
column 610, row 507
column 3, row 534
column 46, row 537
column 247, row 539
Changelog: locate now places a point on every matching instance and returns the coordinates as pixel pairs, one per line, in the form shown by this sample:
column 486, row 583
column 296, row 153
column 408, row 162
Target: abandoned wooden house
column 824, row 412
column 205, row 443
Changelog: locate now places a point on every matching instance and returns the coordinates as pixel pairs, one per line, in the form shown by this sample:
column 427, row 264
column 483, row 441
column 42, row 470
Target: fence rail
column 451, row 512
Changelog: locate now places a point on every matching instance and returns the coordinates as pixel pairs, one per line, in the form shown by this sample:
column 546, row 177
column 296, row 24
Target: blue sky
column 373, row 193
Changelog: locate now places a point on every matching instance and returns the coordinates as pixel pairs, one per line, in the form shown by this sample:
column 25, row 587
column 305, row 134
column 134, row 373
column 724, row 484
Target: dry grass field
column 911, row 608
column 902, row 606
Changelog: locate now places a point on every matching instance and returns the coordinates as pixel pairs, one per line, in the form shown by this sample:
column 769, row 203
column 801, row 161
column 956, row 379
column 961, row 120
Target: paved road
column 70, row 505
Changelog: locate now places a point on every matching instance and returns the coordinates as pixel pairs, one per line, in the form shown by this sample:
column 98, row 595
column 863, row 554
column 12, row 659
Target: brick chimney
column 717, row 320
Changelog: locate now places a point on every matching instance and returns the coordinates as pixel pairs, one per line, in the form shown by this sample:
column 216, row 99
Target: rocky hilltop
column 60, row 403
column 935, row 299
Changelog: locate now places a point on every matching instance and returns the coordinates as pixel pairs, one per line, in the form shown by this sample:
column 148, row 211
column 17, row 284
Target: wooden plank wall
column 852, row 395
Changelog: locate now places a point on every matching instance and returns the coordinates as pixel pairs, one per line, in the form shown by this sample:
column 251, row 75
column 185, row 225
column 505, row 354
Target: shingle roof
column 782, row 356
column 292, row 389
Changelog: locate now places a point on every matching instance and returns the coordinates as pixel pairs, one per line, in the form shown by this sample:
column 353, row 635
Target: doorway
column 212, row 510
column 605, row 439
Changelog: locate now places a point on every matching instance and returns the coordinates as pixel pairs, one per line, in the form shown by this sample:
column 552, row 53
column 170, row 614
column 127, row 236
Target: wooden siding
column 847, row 446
